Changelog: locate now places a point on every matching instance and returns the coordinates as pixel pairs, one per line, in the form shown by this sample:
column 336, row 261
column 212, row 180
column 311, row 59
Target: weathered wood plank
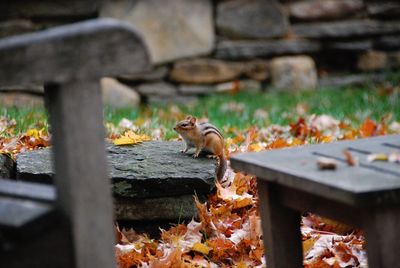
column 27, row 190
column 281, row 229
column 83, row 50
column 17, row 214
column 305, row 202
column 382, row 234
column 297, row 168
column 84, row 193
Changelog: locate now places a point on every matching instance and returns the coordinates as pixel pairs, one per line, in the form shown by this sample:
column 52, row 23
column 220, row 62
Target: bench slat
column 27, row 190
column 297, row 168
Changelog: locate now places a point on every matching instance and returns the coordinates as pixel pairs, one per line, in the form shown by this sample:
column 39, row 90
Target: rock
column 343, row 29
column 157, row 73
column 394, row 59
column 251, row 19
column 250, row 49
column 148, row 170
column 384, row 9
column 7, row 166
column 372, row 61
column 296, row 72
column 204, row 71
column 388, row 42
column 157, row 89
column 152, row 209
column 351, row 46
column 196, row 89
column 20, row 99
column 37, row 89
column 324, row 10
column 178, row 99
column 118, row 95
column 34, row 166
column 257, row 69
column 250, row 85
column 345, row 80
column 48, row 9
column 181, row 28
column 16, row 26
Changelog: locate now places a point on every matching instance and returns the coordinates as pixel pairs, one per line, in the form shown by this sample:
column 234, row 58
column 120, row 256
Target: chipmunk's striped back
column 207, row 128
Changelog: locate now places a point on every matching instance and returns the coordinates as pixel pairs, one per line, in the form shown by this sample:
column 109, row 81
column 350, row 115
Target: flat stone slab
column 147, row 170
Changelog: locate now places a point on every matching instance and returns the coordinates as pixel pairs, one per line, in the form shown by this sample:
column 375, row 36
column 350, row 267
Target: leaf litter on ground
column 228, row 231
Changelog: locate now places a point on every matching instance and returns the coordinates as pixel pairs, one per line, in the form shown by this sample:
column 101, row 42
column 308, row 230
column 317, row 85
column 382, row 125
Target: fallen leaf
column 350, row 159
column 377, row 157
column 326, row 163
column 201, row 248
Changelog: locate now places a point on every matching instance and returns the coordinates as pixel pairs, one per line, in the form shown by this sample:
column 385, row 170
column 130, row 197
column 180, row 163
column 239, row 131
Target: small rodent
column 204, row 137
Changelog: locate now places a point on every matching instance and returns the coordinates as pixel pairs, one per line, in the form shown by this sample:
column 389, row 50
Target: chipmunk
column 204, row 137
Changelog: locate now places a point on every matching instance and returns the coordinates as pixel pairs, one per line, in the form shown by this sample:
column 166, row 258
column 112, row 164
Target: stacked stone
column 152, row 182
column 199, row 47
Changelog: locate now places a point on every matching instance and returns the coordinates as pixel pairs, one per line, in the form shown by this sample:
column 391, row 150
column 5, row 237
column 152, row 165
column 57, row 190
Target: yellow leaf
column 377, row 157
column 201, row 248
column 308, row 244
column 33, row 133
column 130, row 137
column 123, row 141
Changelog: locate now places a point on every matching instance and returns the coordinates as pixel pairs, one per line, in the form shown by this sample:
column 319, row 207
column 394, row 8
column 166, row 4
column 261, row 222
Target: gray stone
column 344, row 80
column 118, row 95
column 351, row 46
column 20, row 99
column 47, row 9
column 157, row 89
column 157, row 73
column 37, row 89
column 163, row 208
column 384, row 9
column 251, row 19
column 343, row 29
column 267, row 48
column 17, row 26
column 293, row 73
column 324, row 10
column 181, row 28
column 393, row 59
column 147, row 170
column 388, row 42
column 6, row 167
column 178, row 99
column 196, row 89
column 372, row 61
column 35, row 166
column 204, row 71
column 250, row 85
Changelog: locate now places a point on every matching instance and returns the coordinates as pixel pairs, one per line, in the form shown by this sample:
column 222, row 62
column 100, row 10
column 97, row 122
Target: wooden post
column 381, row 226
column 84, row 193
column 281, row 229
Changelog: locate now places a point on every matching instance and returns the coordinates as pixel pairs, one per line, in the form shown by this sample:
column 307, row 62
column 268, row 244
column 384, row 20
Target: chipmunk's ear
column 193, row 120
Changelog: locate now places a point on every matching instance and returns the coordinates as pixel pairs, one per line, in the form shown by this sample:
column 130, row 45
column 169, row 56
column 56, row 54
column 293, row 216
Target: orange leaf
column 368, row 128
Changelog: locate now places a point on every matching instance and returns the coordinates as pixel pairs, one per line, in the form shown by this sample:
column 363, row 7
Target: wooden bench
column 69, row 61
column 366, row 195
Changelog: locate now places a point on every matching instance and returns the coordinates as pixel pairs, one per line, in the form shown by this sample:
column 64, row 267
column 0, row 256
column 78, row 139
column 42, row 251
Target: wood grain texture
column 297, row 168
column 281, row 229
column 382, row 234
column 27, row 190
column 84, row 193
column 83, row 50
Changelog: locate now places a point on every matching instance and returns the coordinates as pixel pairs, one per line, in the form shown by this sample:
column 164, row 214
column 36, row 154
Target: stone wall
column 201, row 46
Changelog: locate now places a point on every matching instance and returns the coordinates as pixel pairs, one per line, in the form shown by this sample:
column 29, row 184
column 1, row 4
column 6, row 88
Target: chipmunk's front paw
column 195, row 155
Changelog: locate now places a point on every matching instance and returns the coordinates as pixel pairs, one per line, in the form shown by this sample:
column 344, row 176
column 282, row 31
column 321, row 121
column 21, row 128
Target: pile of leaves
column 228, row 231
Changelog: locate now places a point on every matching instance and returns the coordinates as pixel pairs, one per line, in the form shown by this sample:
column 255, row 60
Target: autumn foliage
column 227, row 232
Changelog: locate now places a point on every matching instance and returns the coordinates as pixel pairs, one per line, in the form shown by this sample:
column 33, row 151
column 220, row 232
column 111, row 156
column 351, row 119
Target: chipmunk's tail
column 222, row 165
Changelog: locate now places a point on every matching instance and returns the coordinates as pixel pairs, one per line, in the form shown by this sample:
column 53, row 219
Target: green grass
column 354, row 104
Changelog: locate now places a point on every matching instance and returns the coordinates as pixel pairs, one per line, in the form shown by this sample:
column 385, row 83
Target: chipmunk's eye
column 184, row 125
